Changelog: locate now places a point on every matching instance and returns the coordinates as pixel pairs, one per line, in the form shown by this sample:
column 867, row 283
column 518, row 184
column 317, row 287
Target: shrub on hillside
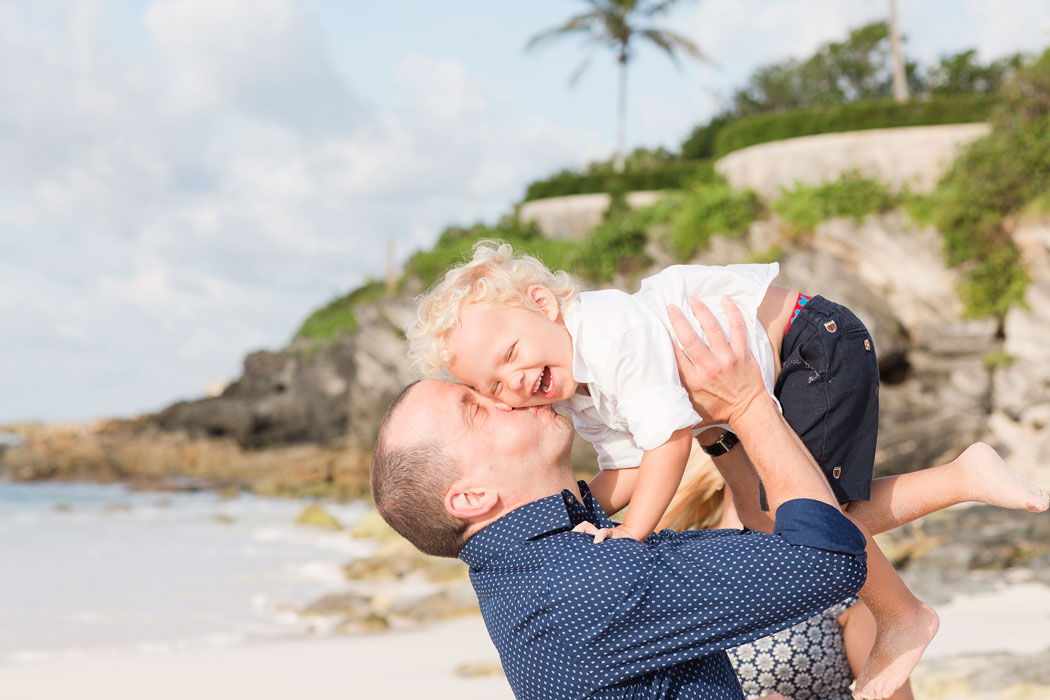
column 701, row 140
column 617, row 245
column 456, row 243
column 706, row 211
column 664, row 175
column 337, row 316
column 854, row 116
column 805, row 206
column 996, row 176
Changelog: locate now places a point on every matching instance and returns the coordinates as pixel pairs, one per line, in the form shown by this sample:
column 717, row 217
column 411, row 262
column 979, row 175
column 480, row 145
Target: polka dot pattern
column 628, row 619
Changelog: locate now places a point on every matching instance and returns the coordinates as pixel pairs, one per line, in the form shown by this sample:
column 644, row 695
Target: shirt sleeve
column 642, row 373
column 636, row 607
column 615, row 449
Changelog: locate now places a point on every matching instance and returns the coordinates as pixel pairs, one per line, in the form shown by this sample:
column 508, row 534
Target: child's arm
column 612, row 488
column 658, row 478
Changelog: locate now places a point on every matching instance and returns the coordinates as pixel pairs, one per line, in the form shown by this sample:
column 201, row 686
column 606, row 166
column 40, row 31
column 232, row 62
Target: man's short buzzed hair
column 409, row 480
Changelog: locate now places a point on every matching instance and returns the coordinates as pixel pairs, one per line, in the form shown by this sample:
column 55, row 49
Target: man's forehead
column 430, row 402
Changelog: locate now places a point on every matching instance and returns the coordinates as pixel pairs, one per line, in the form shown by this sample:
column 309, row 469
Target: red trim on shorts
column 799, row 303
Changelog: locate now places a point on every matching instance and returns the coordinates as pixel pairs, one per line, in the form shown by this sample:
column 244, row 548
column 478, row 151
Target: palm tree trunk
column 900, row 83
column 618, row 160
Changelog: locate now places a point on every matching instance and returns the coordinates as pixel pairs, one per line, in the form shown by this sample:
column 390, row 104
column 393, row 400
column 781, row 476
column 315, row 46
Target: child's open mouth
column 544, row 383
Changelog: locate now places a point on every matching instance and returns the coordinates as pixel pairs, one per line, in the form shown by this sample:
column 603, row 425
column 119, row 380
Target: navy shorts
column 829, row 390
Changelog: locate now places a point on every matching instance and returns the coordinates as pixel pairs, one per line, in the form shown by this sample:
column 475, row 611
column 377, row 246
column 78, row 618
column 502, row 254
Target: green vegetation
column 846, row 86
column 854, row 116
column 961, row 74
column 805, row 206
column 617, row 245
column 996, row 176
column 657, row 174
column 769, row 255
column 707, row 211
column 456, row 242
column 337, row 316
column 857, row 68
column 842, row 87
column 996, row 359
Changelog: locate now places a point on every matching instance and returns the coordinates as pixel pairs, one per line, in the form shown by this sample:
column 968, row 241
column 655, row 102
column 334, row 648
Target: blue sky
column 182, row 181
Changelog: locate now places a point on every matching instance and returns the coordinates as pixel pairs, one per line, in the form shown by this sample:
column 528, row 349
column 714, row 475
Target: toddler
column 524, row 336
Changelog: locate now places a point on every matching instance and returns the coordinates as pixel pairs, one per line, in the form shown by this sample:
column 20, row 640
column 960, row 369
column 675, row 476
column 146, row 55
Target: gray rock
column 967, row 550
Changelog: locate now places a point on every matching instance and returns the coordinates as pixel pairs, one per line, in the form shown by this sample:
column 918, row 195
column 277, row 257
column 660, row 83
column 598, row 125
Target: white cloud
column 167, row 211
column 185, row 184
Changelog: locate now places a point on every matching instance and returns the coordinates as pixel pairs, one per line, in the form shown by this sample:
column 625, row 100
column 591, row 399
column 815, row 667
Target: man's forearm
column 782, row 462
column 742, row 481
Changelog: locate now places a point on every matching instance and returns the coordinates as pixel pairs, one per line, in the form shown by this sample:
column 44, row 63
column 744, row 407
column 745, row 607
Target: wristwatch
column 725, row 442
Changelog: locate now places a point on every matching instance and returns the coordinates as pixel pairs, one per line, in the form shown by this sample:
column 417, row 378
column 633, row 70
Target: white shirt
column 622, row 351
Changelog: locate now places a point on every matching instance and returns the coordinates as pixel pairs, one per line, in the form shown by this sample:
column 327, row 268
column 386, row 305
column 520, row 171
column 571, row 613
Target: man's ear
column 466, row 503
column 544, row 300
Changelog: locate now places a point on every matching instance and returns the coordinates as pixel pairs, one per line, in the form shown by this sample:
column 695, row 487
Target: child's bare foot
column 997, row 484
column 896, row 651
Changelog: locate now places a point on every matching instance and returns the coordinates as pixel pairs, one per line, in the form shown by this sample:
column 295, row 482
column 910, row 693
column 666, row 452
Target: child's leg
column 828, row 387
column 978, row 474
column 905, row 626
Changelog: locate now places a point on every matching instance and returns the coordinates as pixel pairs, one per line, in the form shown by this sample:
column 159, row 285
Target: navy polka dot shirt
column 628, row 619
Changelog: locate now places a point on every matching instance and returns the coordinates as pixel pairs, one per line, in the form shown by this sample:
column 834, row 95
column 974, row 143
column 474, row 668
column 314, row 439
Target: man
column 621, row 619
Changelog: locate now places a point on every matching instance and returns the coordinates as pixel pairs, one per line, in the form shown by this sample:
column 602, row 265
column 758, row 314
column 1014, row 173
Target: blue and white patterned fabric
column 628, row 619
column 804, row 662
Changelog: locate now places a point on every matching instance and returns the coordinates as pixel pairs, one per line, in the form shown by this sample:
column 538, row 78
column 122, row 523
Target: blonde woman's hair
column 494, row 275
column 700, row 500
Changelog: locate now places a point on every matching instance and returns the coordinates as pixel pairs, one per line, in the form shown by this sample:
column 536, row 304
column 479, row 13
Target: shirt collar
column 572, row 315
column 555, row 513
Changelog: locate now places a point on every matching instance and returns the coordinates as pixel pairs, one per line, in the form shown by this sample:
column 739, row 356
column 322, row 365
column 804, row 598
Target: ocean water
column 86, row 568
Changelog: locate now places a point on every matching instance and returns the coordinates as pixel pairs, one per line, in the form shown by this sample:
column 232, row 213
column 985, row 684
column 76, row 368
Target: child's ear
column 544, row 300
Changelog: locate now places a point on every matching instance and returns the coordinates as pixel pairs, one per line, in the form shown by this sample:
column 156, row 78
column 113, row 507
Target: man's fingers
column 691, row 342
column 708, row 323
column 737, row 330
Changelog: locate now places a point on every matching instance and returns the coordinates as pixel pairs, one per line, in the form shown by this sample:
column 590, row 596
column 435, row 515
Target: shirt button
column 567, row 497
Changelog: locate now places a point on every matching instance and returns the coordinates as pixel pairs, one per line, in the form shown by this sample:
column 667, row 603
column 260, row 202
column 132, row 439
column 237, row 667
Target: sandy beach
column 423, row 663
column 418, row 664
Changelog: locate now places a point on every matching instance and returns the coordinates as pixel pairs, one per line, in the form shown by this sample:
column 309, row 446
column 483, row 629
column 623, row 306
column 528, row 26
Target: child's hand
column 607, row 533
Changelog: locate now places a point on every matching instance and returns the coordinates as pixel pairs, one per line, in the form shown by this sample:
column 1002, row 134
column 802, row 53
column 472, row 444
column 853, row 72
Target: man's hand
column 722, row 378
column 606, row 533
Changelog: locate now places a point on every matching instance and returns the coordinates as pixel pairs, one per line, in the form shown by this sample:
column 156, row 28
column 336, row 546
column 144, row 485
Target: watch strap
column 725, row 442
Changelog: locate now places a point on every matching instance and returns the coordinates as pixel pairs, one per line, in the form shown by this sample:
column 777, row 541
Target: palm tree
column 900, row 83
column 615, row 24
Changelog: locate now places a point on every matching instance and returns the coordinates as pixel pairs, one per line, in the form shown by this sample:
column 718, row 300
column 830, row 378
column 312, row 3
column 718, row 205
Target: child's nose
column 515, row 380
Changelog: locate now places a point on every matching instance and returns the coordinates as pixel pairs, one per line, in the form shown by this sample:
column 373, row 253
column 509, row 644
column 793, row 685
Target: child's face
column 518, row 356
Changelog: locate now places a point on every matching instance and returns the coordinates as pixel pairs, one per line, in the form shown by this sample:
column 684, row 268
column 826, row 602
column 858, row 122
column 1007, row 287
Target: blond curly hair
column 494, row 275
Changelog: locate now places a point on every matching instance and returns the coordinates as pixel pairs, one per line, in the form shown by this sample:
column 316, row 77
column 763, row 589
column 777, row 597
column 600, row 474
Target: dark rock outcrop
column 319, row 393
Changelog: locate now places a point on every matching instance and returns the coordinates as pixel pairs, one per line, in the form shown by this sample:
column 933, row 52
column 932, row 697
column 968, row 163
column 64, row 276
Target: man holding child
column 458, row 476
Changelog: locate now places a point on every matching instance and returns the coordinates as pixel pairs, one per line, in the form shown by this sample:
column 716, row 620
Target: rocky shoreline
column 301, row 421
